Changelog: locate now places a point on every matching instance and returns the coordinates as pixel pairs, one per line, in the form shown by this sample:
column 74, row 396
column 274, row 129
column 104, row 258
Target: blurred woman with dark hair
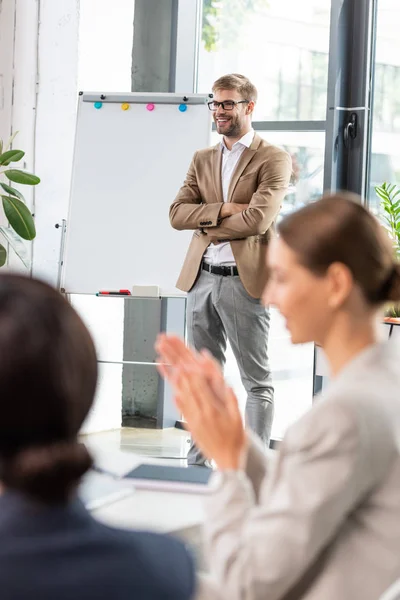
column 322, row 521
column 50, row 547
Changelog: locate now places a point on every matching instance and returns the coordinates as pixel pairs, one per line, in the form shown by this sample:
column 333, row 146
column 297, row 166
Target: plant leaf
column 1, row 146
column 19, row 217
column 10, row 141
column 382, row 194
column 11, row 156
column 17, row 245
column 12, row 191
column 3, row 256
column 22, row 177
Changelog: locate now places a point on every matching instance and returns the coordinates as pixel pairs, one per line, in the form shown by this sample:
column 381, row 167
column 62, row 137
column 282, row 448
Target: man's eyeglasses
column 226, row 105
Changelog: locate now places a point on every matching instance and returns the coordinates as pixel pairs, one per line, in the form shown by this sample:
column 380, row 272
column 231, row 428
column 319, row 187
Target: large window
column 307, row 151
column 291, row 366
column 385, row 150
column 292, row 376
column 281, row 45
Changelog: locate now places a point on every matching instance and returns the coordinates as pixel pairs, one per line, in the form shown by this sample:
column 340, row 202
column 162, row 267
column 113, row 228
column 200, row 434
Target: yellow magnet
column 125, row 106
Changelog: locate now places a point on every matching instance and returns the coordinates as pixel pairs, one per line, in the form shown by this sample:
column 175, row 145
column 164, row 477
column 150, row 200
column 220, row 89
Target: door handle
column 350, row 129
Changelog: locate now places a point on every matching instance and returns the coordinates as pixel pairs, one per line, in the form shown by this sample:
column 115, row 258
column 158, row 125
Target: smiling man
column 230, row 198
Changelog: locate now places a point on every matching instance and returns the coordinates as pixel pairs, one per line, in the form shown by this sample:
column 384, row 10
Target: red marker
column 116, row 293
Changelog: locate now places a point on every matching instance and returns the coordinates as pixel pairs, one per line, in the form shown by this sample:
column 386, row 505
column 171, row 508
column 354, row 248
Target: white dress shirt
column 221, row 254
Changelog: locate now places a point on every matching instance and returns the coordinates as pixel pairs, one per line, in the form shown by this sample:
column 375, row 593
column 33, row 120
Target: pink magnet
column 150, row 106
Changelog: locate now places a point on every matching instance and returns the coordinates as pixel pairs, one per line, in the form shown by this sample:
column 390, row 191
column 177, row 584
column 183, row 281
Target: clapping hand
column 208, row 404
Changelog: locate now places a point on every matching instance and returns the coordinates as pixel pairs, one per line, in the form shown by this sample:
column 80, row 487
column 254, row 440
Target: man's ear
column 250, row 107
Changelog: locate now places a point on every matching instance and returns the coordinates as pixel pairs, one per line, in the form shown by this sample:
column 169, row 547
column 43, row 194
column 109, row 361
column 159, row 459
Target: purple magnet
column 150, row 106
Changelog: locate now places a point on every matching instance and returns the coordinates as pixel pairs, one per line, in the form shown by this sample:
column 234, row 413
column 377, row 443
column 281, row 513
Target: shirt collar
column 245, row 140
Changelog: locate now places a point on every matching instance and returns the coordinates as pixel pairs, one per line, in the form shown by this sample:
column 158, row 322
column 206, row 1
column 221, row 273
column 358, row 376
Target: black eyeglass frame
column 234, row 103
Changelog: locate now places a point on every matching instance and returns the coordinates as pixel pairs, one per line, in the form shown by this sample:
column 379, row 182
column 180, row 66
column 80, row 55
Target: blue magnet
column 98, row 104
column 183, row 107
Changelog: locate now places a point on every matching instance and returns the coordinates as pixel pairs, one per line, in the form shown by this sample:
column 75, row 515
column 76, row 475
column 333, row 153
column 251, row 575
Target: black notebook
column 174, row 479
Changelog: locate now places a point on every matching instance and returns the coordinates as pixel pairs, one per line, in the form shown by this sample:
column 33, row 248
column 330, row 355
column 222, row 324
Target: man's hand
column 227, row 210
column 231, row 208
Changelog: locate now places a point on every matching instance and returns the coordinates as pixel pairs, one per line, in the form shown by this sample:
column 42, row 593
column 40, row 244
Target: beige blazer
column 261, row 179
column 322, row 521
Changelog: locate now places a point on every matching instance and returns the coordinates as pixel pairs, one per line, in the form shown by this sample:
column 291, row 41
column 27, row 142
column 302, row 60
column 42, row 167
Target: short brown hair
column 338, row 228
column 240, row 83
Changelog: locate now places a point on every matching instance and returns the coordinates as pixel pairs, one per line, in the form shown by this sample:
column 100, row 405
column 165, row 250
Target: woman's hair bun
column 391, row 287
column 46, row 473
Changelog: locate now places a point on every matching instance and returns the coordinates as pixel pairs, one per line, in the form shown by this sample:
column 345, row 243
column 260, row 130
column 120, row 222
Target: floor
column 112, row 449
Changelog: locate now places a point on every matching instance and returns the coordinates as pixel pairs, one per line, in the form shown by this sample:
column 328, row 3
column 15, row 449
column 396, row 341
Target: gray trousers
column 219, row 308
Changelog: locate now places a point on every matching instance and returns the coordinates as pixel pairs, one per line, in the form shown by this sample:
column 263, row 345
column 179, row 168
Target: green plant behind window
column 389, row 195
column 21, row 224
column 227, row 17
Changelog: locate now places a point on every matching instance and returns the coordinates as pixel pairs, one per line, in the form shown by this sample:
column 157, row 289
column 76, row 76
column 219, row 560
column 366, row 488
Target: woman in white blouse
column 321, row 520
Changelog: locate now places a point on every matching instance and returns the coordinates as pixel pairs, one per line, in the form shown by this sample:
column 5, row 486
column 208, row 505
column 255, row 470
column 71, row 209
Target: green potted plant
column 389, row 195
column 18, row 215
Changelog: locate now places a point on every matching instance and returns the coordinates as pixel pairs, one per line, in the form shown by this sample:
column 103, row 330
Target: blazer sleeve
column 264, row 205
column 188, row 211
column 261, row 551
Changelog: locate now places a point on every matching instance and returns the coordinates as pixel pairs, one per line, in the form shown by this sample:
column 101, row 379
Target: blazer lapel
column 216, row 173
column 244, row 160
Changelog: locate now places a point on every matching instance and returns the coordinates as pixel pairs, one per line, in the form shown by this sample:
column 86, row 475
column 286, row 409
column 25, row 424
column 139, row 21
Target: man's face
column 231, row 123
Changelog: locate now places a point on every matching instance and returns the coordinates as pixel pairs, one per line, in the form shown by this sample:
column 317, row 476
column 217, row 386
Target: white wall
column 7, row 24
column 38, row 89
column 105, row 45
column 25, row 80
column 55, row 127
column 7, row 18
column 18, row 79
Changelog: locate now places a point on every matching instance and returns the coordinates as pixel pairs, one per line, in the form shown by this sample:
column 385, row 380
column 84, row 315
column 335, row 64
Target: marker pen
column 114, row 293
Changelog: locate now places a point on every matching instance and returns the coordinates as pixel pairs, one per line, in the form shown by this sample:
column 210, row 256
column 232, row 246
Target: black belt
column 220, row 269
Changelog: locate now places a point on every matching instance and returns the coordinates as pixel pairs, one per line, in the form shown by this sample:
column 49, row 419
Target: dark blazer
column 64, row 554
